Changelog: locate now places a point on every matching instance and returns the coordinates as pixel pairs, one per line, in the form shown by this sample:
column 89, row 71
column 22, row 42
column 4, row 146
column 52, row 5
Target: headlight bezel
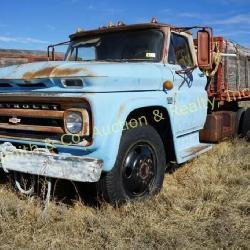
column 85, row 128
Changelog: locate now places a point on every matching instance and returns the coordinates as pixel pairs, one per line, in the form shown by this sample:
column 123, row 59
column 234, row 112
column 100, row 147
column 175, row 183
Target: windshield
column 146, row 45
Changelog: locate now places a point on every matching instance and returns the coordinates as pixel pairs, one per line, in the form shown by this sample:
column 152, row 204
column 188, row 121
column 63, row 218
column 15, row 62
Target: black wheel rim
column 139, row 170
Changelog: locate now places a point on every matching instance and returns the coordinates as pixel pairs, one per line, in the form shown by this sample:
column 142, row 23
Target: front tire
column 139, row 169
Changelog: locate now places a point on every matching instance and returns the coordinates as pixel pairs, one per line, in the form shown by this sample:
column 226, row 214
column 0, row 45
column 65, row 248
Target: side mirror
column 204, row 49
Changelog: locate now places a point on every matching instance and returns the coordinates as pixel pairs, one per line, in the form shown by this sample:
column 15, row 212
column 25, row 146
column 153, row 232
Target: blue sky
column 32, row 24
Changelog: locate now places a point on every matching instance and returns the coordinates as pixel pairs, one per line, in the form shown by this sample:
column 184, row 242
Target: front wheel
column 139, row 168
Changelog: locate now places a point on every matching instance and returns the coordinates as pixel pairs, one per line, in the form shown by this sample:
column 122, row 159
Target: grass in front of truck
column 204, row 203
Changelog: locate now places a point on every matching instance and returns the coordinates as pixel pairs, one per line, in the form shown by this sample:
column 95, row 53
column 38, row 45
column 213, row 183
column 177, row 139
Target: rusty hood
column 97, row 76
column 41, row 70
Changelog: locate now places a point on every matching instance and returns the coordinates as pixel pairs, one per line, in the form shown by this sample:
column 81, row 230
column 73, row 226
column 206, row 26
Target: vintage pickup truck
column 126, row 101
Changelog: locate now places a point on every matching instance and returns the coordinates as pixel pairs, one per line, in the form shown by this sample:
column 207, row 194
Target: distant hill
column 10, row 57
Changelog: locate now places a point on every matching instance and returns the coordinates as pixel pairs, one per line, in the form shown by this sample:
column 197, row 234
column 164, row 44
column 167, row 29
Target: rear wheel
column 239, row 122
column 246, row 124
column 139, row 168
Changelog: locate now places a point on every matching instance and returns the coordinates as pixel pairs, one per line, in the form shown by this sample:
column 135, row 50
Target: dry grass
column 203, row 204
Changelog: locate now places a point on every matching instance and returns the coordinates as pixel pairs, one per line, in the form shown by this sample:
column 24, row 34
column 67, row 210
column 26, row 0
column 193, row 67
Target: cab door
column 190, row 97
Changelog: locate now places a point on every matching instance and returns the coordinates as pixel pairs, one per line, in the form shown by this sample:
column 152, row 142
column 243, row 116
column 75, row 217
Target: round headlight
column 74, row 122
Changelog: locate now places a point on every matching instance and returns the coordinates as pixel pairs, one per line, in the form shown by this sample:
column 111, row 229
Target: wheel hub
column 145, row 168
column 139, row 169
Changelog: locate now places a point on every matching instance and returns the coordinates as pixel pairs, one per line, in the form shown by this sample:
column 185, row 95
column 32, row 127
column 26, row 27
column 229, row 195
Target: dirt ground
column 204, row 204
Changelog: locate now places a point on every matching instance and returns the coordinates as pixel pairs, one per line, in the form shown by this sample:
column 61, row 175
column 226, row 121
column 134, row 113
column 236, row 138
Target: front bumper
column 43, row 163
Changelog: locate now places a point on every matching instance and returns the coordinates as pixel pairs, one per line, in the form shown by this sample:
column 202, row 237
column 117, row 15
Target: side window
column 179, row 52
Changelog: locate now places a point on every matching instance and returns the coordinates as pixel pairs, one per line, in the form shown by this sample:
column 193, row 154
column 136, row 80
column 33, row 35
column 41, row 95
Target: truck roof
column 121, row 27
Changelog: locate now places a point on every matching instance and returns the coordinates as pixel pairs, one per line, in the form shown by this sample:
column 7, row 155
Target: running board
column 192, row 152
column 189, row 146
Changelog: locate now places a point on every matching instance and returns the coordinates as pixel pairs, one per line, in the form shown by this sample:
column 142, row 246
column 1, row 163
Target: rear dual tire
column 242, row 128
column 246, row 124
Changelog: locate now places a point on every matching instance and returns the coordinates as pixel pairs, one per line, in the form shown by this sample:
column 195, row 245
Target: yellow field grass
column 204, row 204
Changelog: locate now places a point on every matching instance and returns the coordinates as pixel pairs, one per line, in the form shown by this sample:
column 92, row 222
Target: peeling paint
column 120, row 111
column 54, row 72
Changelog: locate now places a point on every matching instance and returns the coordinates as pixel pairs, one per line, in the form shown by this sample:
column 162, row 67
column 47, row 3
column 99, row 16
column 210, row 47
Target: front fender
column 110, row 111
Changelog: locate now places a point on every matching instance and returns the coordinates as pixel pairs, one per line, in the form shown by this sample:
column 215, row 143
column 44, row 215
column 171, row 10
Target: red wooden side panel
column 232, row 80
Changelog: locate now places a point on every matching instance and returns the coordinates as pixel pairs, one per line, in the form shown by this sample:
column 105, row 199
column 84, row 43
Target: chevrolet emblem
column 14, row 120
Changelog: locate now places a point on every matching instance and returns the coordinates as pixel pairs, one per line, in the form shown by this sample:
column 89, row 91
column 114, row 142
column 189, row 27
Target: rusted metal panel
column 229, row 123
column 43, row 70
column 36, row 128
column 219, row 125
column 32, row 113
column 196, row 150
column 212, row 131
column 35, row 117
column 102, row 30
column 10, row 57
column 52, row 72
column 42, row 162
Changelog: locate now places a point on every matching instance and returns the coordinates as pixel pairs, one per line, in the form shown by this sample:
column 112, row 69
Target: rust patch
column 55, row 72
column 195, row 150
column 15, row 57
column 120, row 111
column 34, row 128
column 43, row 72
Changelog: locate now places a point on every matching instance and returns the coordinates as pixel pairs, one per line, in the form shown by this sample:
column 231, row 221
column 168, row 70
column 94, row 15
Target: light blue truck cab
column 126, row 101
